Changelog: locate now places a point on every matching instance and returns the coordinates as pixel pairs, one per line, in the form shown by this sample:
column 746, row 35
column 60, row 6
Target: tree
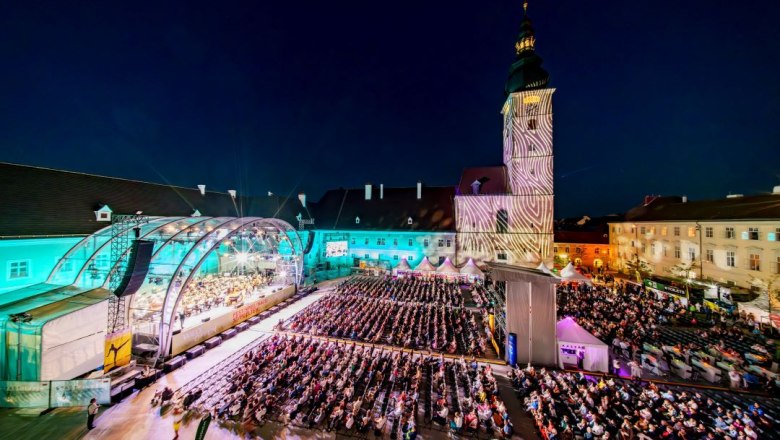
column 639, row 268
column 770, row 286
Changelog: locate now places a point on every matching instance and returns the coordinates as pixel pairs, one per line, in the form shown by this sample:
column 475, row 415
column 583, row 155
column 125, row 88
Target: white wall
column 41, row 254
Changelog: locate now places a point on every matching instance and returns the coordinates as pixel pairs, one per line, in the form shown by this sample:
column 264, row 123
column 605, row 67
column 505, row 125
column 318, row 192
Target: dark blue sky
column 667, row 98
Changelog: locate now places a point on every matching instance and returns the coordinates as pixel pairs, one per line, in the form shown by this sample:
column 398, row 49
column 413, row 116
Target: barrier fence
column 54, row 393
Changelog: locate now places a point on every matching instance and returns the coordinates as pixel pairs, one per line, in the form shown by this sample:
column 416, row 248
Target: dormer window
column 357, row 220
column 409, row 221
column 196, row 213
column 103, row 214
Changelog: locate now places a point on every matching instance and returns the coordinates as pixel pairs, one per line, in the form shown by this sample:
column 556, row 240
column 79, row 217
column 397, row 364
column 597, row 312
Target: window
column 531, row 147
column 353, row 241
column 532, row 124
column 691, row 254
column 555, row 249
column 666, row 251
column 777, row 234
column 710, row 255
column 663, row 231
column 395, row 257
column 409, row 258
column 18, row 269
column 777, row 268
column 755, row 262
column 357, row 220
column 753, row 233
column 652, row 248
column 676, row 231
column 577, row 250
column 410, row 242
column 613, row 229
column 501, row 255
column 620, row 229
column 441, row 243
column 597, row 251
column 365, row 256
column 566, row 249
column 652, row 230
column 378, row 241
column 730, row 259
column 395, row 242
column 409, row 221
column 691, row 232
column 677, row 252
column 643, row 230
column 502, row 221
column 425, row 242
column 366, row 240
column 708, row 232
column 730, row 233
column 449, row 243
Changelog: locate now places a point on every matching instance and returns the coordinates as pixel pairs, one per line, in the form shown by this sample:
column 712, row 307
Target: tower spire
column 526, row 72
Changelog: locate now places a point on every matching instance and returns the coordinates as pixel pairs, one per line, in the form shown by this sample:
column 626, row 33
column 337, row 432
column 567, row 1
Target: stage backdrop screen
column 336, row 249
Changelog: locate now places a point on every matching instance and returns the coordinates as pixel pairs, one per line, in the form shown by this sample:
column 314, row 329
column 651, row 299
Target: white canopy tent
column 472, row 270
column 569, row 273
column 403, row 266
column 425, row 266
column 575, row 342
column 447, row 268
column 542, row 267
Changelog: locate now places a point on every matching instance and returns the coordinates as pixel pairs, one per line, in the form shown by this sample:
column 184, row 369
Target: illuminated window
column 730, row 233
column 710, row 255
column 755, row 262
column 676, row 231
column 18, row 269
column 691, row 232
column 652, row 230
column 502, row 221
column 663, row 231
column 731, row 260
column 532, row 124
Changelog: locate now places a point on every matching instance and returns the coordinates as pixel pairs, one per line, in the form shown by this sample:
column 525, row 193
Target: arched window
column 502, row 221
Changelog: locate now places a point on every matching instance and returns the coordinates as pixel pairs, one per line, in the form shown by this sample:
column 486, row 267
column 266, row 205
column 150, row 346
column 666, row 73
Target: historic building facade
column 735, row 240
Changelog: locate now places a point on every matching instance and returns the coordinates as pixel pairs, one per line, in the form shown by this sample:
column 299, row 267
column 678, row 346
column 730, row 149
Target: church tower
column 528, row 141
column 507, row 213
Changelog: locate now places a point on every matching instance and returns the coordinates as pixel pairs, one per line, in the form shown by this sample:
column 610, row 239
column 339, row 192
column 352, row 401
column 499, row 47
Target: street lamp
column 18, row 319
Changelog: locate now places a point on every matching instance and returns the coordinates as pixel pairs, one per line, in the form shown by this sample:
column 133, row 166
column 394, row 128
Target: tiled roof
column 761, row 207
column 493, row 179
column 41, row 201
column 338, row 208
column 583, row 237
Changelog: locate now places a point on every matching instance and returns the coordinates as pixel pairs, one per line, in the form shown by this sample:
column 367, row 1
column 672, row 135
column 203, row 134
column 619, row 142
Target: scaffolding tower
column 125, row 229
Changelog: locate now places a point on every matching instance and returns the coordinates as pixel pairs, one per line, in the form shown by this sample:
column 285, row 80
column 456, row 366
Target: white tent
column 403, row 266
column 569, row 273
column 472, row 270
column 574, row 342
column 447, row 268
column 425, row 266
column 542, row 267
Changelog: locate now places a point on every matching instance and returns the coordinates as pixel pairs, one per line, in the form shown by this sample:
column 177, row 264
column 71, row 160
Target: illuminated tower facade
column 516, row 226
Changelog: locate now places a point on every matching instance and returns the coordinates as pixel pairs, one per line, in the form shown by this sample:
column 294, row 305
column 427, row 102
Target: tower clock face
column 531, row 109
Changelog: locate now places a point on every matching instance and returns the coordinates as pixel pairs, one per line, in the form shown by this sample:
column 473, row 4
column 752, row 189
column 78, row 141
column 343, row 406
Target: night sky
column 677, row 97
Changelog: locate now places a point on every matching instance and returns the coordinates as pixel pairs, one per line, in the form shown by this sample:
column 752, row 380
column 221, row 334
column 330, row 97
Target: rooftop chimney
column 685, row 199
column 202, row 189
column 232, row 193
column 776, row 190
column 368, row 191
column 382, row 191
column 419, row 190
column 733, row 196
column 475, row 187
column 649, row 199
column 302, row 198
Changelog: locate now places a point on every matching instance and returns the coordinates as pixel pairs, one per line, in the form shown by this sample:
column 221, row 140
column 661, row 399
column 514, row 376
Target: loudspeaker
column 137, row 268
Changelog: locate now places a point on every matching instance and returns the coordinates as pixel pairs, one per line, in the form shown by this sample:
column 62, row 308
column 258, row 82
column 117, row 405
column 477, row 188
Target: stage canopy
column 542, row 267
column 186, row 249
column 571, row 335
column 569, row 273
column 403, row 265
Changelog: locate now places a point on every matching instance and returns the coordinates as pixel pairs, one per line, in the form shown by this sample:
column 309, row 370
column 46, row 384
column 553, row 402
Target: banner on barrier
column 511, row 349
column 24, row 394
column 79, row 392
